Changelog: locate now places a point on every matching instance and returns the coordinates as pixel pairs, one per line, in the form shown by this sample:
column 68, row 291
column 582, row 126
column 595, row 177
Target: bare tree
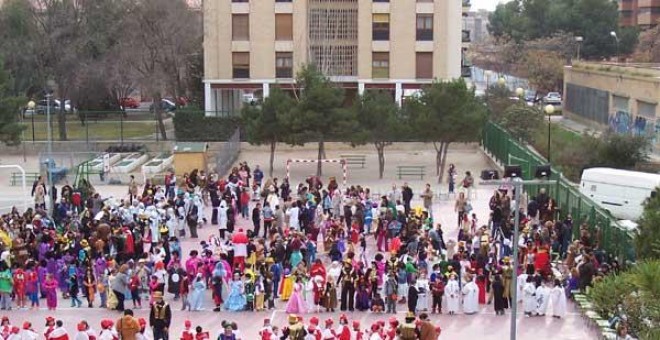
column 166, row 34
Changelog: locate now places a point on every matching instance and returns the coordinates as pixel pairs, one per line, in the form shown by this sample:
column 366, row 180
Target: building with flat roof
column 642, row 13
column 253, row 45
column 620, row 97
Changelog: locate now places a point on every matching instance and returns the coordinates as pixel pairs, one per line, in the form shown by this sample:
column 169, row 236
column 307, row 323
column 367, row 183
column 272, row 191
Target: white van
column 622, row 192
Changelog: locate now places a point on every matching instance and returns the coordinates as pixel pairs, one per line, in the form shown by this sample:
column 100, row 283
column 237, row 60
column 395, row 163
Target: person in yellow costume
column 286, row 288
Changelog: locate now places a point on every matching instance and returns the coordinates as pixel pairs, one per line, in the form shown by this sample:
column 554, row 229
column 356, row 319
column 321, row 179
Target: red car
column 130, row 103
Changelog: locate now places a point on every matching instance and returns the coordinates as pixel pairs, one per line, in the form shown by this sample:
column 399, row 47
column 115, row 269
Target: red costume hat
column 27, row 325
column 50, row 319
column 105, row 323
column 375, row 327
column 313, row 321
column 187, row 324
column 15, row 330
column 356, row 324
column 142, row 322
column 81, row 326
column 328, row 322
column 343, row 318
column 393, row 321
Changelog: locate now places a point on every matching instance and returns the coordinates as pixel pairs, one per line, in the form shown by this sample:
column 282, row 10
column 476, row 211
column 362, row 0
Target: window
column 380, row 65
column 240, row 27
column 240, row 1
column 241, row 64
column 284, row 65
column 424, row 0
column 424, row 27
column 424, row 65
column 381, row 0
column 282, row 0
column 381, row 26
column 284, row 27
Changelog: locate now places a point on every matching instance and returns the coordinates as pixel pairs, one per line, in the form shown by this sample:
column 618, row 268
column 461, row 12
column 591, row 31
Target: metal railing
column 612, row 237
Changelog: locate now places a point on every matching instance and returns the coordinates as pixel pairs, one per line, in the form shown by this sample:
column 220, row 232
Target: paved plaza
column 484, row 325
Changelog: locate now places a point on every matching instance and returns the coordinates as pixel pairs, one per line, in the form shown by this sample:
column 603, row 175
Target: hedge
column 194, row 126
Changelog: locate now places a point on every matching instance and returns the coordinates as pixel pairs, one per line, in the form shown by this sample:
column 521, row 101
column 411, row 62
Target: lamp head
column 501, row 81
column 520, row 92
column 31, row 105
column 549, row 109
column 613, row 34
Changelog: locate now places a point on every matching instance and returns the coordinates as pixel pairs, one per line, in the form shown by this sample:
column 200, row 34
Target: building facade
column 642, row 13
column 253, row 45
column 622, row 98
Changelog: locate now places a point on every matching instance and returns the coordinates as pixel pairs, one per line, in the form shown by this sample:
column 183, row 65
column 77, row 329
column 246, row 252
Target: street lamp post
column 616, row 38
column 579, row 40
column 549, row 110
column 49, row 171
column 487, row 76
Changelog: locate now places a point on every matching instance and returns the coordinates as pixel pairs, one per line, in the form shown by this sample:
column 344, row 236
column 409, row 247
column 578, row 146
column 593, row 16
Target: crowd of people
column 315, row 247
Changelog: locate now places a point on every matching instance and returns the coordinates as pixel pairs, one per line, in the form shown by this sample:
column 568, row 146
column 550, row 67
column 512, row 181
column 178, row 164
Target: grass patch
column 101, row 130
column 563, row 142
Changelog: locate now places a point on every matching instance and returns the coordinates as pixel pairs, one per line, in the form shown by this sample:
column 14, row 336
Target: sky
column 485, row 4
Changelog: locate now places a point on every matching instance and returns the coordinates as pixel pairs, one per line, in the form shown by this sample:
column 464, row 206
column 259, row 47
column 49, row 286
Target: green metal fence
column 611, row 236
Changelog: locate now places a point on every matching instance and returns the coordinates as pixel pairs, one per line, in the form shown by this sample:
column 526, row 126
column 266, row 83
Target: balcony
column 465, row 36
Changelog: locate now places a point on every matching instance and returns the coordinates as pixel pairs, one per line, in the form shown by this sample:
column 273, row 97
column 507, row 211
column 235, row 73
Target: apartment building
column 397, row 45
column 642, row 13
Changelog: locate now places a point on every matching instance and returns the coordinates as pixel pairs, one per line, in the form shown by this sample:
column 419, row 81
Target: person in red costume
column 357, row 333
column 390, row 332
column 318, row 269
column 130, row 242
column 28, row 333
column 328, row 333
column 343, row 332
column 313, row 329
column 375, row 332
column 13, row 334
column 542, row 261
column 58, row 332
column 187, row 332
column 50, row 326
column 267, row 332
column 5, row 327
column 240, row 241
column 20, row 280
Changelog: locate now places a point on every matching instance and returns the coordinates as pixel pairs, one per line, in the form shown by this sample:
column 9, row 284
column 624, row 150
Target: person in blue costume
column 236, row 300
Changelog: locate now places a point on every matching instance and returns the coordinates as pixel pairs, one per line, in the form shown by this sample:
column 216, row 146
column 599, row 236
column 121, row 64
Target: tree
column 498, row 99
column 647, row 241
column 166, row 34
column 10, row 129
column 379, row 122
column 267, row 123
column 449, row 113
column 522, row 121
column 622, row 151
column 528, row 20
column 648, row 49
column 18, row 47
column 545, row 70
column 319, row 114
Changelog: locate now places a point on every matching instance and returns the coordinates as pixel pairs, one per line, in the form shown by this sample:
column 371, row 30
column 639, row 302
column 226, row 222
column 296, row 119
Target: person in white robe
column 522, row 279
column 172, row 222
column 470, row 297
column 529, row 300
column 423, row 292
column 222, row 217
column 197, row 201
column 558, row 300
column 542, row 299
column 453, row 295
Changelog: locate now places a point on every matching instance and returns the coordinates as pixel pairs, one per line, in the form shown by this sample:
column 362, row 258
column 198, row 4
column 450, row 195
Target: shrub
column 194, row 126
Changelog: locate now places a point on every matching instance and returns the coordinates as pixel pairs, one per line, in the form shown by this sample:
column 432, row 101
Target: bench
column 360, row 160
column 411, row 170
column 30, row 177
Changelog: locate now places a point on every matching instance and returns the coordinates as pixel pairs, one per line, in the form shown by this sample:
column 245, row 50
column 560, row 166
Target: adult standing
column 427, row 197
column 468, row 183
column 160, row 317
column 127, row 326
column 498, row 295
column 391, row 289
column 407, row 194
column 426, row 329
column 451, row 178
column 460, row 207
column 119, row 286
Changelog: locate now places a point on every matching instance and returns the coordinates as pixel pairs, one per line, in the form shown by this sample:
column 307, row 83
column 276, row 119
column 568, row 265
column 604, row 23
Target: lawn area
column 101, row 130
column 559, row 139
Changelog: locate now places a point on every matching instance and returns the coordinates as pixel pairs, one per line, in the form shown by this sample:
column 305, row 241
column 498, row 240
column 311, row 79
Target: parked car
column 130, row 103
column 552, row 98
column 166, row 104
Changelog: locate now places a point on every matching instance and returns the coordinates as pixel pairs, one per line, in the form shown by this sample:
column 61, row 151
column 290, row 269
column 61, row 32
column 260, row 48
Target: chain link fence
column 223, row 154
column 612, row 237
